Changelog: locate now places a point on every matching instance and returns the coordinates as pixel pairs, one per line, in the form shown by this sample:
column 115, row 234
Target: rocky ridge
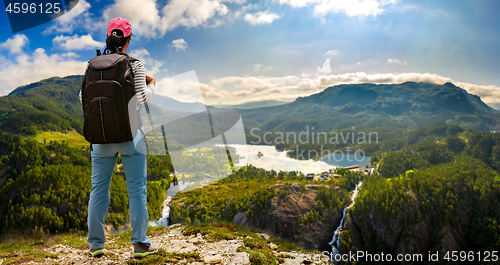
column 283, row 216
column 199, row 249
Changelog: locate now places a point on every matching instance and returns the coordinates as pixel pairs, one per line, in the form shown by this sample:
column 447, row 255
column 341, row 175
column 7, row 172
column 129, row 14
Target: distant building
column 337, row 176
column 366, row 171
column 352, row 167
column 310, row 177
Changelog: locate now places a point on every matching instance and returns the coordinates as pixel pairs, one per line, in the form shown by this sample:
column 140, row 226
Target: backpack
column 107, row 92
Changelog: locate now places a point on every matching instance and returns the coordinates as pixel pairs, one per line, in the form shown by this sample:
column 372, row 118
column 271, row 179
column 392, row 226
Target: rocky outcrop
column 173, row 240
column 285, row 211
column 451, row 239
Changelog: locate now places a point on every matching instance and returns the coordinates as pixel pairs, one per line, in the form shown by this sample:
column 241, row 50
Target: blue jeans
column 133, row 156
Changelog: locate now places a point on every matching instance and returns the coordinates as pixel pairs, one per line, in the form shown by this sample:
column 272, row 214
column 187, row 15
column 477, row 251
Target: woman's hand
column 150, row 80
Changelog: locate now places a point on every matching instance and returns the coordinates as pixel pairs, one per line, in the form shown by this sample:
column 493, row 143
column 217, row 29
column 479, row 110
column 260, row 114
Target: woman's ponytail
column 114, row 41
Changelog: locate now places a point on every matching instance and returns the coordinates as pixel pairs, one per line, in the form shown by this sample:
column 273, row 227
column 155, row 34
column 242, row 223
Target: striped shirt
column 143, row 92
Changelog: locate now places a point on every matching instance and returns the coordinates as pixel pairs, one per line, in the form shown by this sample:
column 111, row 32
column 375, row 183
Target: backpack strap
column 130, row 58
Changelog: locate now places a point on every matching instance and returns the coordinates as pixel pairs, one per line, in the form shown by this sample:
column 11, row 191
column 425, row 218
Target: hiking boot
column 96, row 253
column 141, row 250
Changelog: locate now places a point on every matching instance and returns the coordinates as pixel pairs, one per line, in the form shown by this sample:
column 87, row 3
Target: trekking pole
column 150, row 124
column 149, row 117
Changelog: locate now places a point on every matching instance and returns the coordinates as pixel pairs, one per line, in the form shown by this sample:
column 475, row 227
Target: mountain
column 170, row 104
column 50, row 104
column 54, row 103
column 370, row 106
column 254, row 104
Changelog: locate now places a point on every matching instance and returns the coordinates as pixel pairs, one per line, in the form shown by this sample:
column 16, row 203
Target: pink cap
column 122, row 24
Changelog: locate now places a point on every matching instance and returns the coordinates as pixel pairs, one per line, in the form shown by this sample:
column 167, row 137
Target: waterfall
column 335, row 243
column 165, row 213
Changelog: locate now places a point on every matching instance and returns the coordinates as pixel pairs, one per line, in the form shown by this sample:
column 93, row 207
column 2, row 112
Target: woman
column 133, row 158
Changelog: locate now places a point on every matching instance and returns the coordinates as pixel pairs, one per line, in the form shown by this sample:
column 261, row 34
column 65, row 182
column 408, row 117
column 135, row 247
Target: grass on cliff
column 23, row 252
column 260, row 249
column 163, row 257
column 72, row 137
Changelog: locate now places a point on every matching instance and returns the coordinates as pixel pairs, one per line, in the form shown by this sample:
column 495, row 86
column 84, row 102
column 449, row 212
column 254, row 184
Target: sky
column 243, row 51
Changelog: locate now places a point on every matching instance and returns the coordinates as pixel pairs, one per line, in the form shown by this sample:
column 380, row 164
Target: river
column 165, row 207
column 335, row 243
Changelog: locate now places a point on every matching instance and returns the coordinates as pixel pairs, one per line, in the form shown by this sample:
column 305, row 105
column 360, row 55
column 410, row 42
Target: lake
column 272, row 159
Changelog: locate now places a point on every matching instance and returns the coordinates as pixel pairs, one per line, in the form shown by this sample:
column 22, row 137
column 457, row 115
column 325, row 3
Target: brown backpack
column 107, row 92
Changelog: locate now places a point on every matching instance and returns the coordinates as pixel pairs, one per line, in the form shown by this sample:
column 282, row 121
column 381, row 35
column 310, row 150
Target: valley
column 435, row 186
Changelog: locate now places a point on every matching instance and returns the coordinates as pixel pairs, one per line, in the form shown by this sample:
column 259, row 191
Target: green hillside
column 44, row 163
column 370, row 106
column 51, row 104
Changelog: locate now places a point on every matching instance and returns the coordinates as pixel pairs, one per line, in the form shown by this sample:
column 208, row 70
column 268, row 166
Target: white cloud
column 15, row 44
column 186, row 88
column 488, row 94
column 325, row 69
column 332, row 53
column 351, row 8
column 244, row 9
column 251, row 88
column 152, row 66
column 209, row 92
column 27, row 69
column 69, row 54
column 261, row 18
column 260, row 67
column 77, row 18
column 396, row 61
column 149, row 21
column 235, row 1
column 76, row 42
column 190, row 13
column 179, row 45
column 143, row 15
column 148, row 18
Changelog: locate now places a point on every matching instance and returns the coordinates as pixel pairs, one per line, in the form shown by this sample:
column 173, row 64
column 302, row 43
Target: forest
column 427, row 191
column 45, row 187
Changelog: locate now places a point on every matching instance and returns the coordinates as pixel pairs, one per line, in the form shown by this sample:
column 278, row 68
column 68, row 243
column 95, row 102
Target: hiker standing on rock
column 113, row 86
